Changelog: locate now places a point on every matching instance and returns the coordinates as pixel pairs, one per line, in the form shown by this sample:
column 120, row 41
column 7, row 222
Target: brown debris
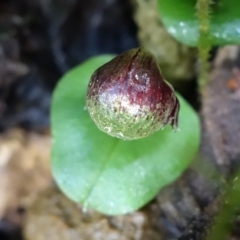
column 53, row 216
column 234, row 82
column 24, row 171
column 220, row 139
column 221, row 112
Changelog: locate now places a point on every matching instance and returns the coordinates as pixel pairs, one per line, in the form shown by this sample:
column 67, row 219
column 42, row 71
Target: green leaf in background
column 180, row 19
column 106, row 173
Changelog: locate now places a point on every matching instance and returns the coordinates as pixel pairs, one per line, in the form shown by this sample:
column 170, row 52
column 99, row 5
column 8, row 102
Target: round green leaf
column 179, row 18
column 106, row 173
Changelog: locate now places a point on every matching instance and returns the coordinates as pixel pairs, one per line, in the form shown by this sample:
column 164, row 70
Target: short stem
column 204, row 46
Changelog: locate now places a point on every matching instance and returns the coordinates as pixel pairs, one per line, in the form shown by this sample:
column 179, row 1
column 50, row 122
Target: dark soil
column 41, row 40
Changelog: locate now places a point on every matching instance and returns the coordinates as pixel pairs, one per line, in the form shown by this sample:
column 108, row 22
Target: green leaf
column 179, row 18
column 106, row 173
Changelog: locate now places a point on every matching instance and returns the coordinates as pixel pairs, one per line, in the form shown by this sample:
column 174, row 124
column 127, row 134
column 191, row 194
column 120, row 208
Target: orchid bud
column 128, row 97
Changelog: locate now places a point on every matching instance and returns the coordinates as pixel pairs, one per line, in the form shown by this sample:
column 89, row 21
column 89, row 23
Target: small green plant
column 115, row 176
column 106, row 173
column 202, row 24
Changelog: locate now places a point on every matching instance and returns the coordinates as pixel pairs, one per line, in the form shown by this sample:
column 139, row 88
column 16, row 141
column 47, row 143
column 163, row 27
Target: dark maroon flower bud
column 128, row 97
